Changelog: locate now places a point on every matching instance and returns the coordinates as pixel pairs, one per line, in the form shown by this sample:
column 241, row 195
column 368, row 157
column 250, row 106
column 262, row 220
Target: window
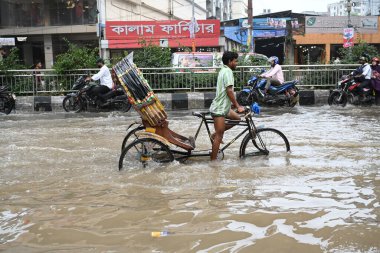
column 26, row 13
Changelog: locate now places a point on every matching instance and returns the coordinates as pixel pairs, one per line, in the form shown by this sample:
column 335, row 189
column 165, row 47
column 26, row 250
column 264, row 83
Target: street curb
column 171, row 101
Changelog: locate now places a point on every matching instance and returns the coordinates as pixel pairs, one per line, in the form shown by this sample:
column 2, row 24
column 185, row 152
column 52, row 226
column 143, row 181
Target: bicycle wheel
column 267, row 141
column 144, row 152
column 130, row 134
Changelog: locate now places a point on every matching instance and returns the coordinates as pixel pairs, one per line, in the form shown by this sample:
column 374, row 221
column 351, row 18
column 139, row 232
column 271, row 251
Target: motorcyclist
column 274, row 75
column 363, row 74
column 106, row 83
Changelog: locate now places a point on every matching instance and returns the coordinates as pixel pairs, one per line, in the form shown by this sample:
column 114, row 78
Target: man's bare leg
column 233, row 116
column 219, row 125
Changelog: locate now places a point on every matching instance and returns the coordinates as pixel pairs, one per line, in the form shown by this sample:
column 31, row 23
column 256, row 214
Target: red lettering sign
column 169, row 29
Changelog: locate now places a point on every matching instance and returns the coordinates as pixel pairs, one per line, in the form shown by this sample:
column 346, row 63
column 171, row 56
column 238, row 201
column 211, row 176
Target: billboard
column 266, row 23
column 319, row 24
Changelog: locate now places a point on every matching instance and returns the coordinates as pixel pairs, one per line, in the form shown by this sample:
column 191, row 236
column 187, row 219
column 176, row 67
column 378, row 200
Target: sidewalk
column 172, row 101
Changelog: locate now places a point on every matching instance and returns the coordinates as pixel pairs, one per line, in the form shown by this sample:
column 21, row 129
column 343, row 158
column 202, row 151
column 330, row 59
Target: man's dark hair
column 229, row 56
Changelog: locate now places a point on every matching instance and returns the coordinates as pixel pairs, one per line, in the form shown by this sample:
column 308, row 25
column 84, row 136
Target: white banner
column 7, row 42
column 319, row 24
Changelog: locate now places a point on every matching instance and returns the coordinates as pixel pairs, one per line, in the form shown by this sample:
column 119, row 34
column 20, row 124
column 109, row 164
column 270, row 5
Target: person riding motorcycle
column 106, row 82
column 363, row 74
column 274, row 76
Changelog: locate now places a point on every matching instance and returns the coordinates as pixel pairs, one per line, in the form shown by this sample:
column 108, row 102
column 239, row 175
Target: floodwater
column 61, row 191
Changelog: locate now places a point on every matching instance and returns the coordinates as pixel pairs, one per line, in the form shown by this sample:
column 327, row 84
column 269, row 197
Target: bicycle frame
column 247, row 123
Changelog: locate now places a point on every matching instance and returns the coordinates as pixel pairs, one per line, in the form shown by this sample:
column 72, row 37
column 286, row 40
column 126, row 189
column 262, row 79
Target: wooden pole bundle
column 140, row 94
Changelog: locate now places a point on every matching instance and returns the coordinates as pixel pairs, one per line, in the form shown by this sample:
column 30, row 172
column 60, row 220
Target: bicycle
column 148, row 147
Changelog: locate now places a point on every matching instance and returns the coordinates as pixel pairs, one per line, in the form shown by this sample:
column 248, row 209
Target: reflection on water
column 61, row 190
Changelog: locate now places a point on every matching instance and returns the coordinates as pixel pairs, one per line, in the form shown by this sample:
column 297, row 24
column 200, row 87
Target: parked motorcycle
column 116, row 100
column 347, row 92
column 7, row 100
column 284, row 95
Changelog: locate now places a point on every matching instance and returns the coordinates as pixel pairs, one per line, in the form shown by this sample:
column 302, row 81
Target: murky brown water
column 61, row 191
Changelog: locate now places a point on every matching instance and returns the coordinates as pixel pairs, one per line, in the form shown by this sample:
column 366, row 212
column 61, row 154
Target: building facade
column 219, row 9
column 358, row 8
column 40, row 26
column 324, row 37
column 239, row 9
column 165, row 23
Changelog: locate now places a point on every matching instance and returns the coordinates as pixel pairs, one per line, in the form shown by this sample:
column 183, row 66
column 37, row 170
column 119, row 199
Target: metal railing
column 48, row 82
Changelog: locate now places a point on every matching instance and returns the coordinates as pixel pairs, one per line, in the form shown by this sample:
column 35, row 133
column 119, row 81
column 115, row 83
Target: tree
column 12, row 61
column 76, row 57
column 352, row 55
column 152, row 56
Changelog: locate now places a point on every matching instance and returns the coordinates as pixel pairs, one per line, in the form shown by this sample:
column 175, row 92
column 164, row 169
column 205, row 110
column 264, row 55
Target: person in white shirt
column 274, row 75
column 105, row 77
column 365, row 76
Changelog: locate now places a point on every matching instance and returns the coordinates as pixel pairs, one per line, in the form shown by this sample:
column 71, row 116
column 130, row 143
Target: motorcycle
column 7, row 100
column 347, row 92
column 82, row 99
column 285, row 94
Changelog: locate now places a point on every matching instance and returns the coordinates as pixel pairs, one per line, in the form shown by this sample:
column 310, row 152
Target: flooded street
column 61, row 191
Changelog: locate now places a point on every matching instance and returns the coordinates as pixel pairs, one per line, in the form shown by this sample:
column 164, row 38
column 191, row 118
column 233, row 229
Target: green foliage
column 76, row 57
column 351, row 55
column 152, row 56
column 12, row 61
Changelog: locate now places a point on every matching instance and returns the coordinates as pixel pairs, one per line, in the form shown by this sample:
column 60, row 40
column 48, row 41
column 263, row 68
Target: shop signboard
column 319, row 24
column 176, row 32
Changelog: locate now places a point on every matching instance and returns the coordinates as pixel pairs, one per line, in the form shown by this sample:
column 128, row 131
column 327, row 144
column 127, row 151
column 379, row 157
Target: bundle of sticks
column 140, row 94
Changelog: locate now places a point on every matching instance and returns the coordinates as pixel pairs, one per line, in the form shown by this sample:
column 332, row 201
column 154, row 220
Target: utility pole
column 193, row 20
column 349, row 5
column 250, row 27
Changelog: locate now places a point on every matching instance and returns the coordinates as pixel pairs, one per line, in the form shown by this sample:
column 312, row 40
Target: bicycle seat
column 200, row 114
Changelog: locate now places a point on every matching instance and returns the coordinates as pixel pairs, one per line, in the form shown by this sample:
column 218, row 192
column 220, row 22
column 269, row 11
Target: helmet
column 376, row 60
column 363, row 58
column 274, row 59
column 100, row 60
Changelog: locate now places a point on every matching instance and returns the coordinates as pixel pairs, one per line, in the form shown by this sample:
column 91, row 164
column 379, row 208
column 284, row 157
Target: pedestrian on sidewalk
column 39, row 83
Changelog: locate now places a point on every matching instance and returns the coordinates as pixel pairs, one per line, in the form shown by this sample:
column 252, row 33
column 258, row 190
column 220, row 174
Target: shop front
column 324, row 36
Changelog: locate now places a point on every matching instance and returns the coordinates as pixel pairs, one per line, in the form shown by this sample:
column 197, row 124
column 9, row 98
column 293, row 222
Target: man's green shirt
column 221, row 104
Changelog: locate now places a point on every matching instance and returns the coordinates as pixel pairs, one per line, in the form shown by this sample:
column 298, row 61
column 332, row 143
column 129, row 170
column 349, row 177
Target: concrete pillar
column 48, row 48
column 289, row 57
column 327, row 50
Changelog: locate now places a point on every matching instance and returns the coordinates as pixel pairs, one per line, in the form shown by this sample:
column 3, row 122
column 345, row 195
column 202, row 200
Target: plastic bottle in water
column 160, row 234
